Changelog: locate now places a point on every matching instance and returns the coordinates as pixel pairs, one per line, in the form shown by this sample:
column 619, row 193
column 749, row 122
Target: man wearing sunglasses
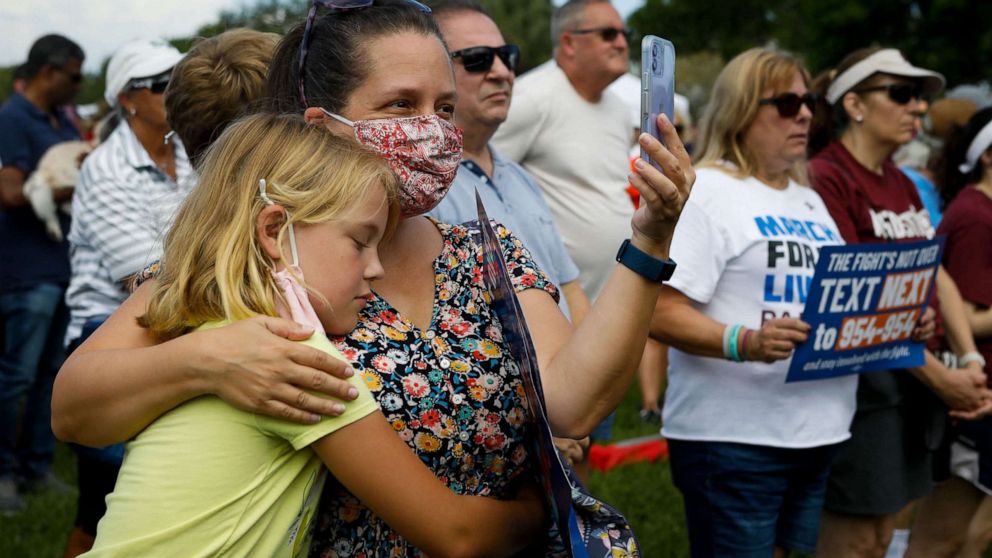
column 34, row 269
column 484, row 73
column 572, row 135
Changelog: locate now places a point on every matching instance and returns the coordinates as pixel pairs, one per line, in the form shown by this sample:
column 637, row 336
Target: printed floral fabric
column 451, row 391
column 423, row 152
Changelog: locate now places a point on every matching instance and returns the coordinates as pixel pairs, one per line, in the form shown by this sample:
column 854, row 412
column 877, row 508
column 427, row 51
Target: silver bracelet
column 968, row 358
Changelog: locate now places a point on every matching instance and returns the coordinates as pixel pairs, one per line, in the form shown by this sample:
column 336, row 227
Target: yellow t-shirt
column 206, row 479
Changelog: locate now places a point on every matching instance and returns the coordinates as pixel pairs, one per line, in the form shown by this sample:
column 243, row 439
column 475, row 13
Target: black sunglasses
column 900, row 93
column 789, row 104
column 334, row 6
column 480, row 58
column 156, row 85
column 608, row 34
column 73, row 77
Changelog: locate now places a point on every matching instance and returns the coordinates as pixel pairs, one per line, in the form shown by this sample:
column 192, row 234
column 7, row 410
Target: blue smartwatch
column 646, row 266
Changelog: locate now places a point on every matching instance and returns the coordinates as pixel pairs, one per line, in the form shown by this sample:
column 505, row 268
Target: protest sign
column 863, row 304
column 586, row 526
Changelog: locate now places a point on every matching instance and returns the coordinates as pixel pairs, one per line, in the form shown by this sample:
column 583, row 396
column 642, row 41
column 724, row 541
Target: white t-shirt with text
column 577, row 151
column 746, row 252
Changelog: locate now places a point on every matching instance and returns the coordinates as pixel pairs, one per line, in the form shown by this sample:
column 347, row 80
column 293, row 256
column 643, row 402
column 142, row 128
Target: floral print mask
column 423, row 151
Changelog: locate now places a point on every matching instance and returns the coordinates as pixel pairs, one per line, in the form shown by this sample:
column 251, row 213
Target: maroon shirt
column 868, row 207
column 967, row 223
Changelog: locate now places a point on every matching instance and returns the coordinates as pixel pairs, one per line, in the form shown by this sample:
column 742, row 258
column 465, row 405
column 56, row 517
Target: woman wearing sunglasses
column 125, row 195
column 749, row 452
column 427, row 344
column 870, row 103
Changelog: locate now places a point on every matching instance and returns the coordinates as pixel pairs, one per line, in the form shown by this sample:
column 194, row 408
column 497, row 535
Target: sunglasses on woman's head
column 480, row 58
column 899, row 93
column 608, row 34
column 334, row 6
column 789, row 104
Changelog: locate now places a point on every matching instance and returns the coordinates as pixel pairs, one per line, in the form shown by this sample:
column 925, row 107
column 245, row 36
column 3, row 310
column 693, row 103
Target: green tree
column 526, row 24
column 271, row 16
column 6, row 82
column 950, row 36
column 726, row 28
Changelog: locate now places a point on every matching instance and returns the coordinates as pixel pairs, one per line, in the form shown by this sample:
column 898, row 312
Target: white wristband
column 968, row 358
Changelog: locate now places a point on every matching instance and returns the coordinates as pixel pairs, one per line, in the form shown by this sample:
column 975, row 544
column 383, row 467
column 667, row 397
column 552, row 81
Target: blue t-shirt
column 513, row 198
column 928, row 194
column 27, row 255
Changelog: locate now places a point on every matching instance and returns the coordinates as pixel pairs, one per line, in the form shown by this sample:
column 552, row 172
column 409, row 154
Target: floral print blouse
column 449, row 391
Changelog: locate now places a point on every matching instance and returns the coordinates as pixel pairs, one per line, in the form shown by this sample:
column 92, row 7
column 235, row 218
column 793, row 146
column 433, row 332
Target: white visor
column 885, row 61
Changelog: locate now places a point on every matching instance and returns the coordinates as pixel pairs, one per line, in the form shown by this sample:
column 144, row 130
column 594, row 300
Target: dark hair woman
column 869, row 107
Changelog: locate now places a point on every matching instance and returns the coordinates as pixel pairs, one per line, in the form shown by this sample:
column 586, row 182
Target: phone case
column 657, row 83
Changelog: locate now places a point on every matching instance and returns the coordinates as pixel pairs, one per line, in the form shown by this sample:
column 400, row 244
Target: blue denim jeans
column 34, row 322
column 742, row 500
column 604, row 430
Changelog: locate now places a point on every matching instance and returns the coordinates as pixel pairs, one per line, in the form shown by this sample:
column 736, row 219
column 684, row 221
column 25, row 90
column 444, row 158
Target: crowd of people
column 270, row 272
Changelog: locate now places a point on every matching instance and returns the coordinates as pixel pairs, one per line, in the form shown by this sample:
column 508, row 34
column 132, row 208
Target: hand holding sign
column 776, row 339
column 926, row 327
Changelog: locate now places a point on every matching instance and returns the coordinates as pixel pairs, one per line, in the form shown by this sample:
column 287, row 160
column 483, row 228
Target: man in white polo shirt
column 573, row 136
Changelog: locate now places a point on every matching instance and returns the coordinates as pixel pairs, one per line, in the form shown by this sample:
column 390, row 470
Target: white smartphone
column 657, row 84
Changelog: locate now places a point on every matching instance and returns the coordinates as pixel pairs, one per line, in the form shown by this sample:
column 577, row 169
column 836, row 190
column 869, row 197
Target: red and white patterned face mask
column 423, row 151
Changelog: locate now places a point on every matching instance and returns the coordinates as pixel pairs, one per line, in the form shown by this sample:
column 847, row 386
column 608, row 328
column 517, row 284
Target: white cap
column 885, row 61
column 137, row 59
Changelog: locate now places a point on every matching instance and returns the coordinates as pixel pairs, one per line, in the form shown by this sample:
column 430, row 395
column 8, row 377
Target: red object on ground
column 603, row 458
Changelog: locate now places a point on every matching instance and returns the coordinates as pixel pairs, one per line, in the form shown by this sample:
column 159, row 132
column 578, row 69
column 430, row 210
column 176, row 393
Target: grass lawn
column 643, row 491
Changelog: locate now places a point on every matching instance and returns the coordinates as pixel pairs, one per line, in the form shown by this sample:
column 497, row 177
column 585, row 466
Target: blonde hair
column 213, row 266
column 734, row 104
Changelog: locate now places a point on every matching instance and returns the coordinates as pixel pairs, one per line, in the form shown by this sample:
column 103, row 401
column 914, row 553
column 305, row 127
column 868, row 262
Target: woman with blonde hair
column 280, row 201
column 870, row 104
column 749, row 452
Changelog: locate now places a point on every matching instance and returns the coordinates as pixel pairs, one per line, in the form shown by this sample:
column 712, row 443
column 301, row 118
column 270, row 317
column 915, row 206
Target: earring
column 132, row 111
column 859, row 119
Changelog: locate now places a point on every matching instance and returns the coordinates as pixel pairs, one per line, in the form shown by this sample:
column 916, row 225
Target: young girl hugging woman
column 279, row 201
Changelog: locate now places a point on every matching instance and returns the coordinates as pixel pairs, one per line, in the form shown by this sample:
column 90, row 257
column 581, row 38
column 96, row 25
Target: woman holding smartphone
column 427, row 344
